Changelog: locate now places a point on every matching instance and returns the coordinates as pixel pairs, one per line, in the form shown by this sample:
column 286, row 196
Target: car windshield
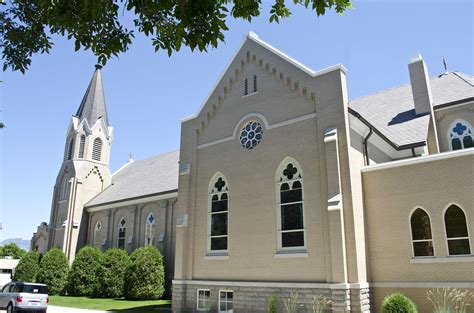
column 33, row 289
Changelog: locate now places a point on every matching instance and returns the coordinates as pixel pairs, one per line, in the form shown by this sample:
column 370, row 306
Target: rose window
column 251, row 135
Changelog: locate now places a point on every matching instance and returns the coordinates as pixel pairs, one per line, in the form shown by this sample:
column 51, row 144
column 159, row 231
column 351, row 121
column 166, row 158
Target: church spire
column 93, row 106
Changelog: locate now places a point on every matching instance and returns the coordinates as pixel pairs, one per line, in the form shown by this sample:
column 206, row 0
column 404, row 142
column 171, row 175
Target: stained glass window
column 218, row 215
column 251, row 135
column 460, row 135
column 121, row 233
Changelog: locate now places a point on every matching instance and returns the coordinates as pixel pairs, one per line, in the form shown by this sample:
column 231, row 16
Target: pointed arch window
column 97, row 149
column 70, row 148
column 97, row 234
column 421, row 233
column 460, row 135
column 82, row 144
column 122, row 230
column 457, row 233
column 290, row 211
column 63, row 189
column 218, row 215
column 150, row 230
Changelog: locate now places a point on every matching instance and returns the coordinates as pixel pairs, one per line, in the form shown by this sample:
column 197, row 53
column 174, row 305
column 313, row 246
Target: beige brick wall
column 390, row 196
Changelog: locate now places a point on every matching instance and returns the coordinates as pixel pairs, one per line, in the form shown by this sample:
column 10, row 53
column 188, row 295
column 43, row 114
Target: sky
column 147, row 93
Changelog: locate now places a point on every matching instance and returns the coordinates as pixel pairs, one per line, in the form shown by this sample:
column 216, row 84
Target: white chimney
column 420, row 85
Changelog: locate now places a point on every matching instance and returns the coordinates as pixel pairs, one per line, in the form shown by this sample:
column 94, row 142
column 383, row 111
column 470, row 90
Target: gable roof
column 253, row 37
column 92, row 106
column 392, row 111
column 152, row 176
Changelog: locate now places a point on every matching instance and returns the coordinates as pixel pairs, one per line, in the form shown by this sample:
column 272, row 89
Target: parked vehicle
column 19, row 297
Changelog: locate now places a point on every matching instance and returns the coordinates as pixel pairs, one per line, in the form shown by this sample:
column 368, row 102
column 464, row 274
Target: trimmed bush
column 145, row 277
column 28, row 267
column 112, row 273
column 398, row 303
column 273, row 304
column 84, row 279
column 53, row 270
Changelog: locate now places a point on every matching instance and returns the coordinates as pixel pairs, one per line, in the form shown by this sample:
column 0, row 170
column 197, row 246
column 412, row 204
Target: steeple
column 93, row 106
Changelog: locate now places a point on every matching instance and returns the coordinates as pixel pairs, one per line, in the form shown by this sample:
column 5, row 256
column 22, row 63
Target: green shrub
column 144, row 278
column 273, row 304
column 84, row 277
column 12, row 250
column 398, row 303
column 112, row 273
column 27, row 268
column 53, row 270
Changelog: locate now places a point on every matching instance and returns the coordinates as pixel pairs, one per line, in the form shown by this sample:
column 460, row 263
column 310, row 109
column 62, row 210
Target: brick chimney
column 420, row 85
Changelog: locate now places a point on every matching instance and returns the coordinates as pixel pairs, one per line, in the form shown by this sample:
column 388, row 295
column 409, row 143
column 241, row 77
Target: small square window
column 226, row 301
column 203, row 299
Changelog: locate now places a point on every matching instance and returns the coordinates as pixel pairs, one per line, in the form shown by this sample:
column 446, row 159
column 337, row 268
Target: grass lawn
column 117, row 305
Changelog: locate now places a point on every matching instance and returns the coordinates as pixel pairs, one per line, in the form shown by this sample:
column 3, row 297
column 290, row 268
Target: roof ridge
column 467, row 82
column 159, row 155
column 404, row 85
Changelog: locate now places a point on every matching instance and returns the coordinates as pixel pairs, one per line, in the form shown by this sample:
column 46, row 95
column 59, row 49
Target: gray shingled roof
column 93, row 103
column 392, row 111
column 155, row 175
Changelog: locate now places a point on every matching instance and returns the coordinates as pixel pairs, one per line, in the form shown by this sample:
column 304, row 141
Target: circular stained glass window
column 251, row 135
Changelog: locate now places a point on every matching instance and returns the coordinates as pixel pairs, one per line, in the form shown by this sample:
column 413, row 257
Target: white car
column 19, row 297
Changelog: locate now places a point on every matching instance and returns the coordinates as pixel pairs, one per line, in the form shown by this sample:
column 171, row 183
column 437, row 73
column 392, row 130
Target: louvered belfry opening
column 82, row 144
column 70, row 149
column 97, row 149
column 254, row 83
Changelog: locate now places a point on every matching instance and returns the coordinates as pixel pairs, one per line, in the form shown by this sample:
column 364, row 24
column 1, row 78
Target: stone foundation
column 255, row 296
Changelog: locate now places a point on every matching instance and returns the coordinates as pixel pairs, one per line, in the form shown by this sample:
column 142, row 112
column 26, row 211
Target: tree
column 112, row 273
column 12, row 250
column 26, row 26
column 84, row 276
column 145, row 276
column 53, row 271
column 28, row 267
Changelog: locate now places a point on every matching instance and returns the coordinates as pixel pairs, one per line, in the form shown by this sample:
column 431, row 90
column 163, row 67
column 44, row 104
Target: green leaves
column 97, row 25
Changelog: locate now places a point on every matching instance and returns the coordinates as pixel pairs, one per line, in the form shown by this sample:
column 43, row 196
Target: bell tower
column 84, row 172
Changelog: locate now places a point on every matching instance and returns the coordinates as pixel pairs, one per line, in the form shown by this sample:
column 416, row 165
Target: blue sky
column 147, row 93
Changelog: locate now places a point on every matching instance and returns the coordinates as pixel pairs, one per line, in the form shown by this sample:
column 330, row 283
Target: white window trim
column 446, row 232
column 227, row 301
column 96, row 241
column 125, row 235
column 420, row 240
column 210, row 252
column 280, row 249
column 151, row 226
column 208, row 300
column 450, row 144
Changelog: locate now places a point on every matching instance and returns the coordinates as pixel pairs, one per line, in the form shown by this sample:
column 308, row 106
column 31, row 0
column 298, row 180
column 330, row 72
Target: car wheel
column 10, row 309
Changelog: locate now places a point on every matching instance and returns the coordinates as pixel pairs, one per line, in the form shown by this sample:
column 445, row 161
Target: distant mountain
column 23, row 244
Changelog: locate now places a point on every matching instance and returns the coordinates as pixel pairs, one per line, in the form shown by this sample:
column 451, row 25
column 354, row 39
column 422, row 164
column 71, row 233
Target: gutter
column 366, row 148
column 392, row 144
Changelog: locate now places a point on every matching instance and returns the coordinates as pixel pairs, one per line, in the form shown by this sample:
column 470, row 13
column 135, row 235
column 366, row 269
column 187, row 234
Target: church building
column 283, row 185
column 287, row 186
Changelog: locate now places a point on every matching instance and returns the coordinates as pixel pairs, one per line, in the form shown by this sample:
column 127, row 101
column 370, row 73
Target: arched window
column 246, row 87
column 218, row 214
column 150, row 230
column 457, row 234
column 460, row 135
column 97, row 234
column 64, row 189
column 421, row 233
column 291, row 232
column 122, row 230
column 97, row 149
column 82, row 144
column 70, row 148
column 254, row 83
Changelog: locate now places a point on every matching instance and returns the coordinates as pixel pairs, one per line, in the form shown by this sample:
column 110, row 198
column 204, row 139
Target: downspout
column 366, row 148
